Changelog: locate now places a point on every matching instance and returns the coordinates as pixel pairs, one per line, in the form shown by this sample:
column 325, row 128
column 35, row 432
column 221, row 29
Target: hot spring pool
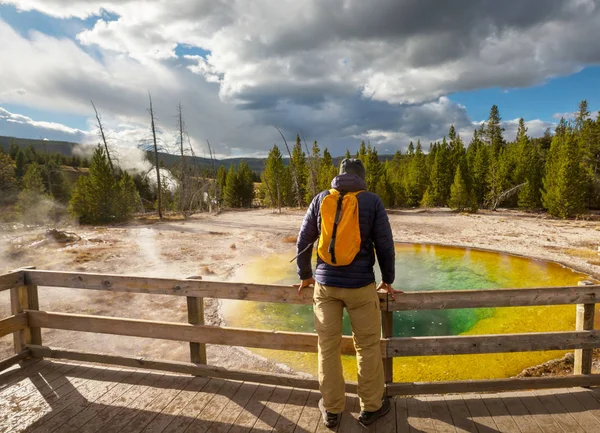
column 421, row 268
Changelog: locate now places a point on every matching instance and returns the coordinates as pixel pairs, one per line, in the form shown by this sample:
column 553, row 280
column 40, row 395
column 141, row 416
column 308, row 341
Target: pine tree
column 20, row 164
column 440, row 179
column 530, row 196
column 274, row 178
column 362, row 152
column 8, row 180
column 232, row 187
column 373, row 167
column 299, row 164
column 460, row 198
column 493, row 131
column 328, row 171
column 564, row 184
column 246, row 185
column 31, row 204
column 416, row 179
column 221, row 181
column 99, row 198
column 347, row 156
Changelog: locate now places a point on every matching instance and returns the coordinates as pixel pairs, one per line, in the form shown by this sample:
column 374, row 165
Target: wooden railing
column 27, row 320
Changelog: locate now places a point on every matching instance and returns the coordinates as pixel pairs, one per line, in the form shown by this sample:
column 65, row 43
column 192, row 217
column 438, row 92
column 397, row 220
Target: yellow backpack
column 340, row 240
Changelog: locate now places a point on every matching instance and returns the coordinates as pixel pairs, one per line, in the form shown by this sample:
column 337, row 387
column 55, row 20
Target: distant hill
column 169, row 160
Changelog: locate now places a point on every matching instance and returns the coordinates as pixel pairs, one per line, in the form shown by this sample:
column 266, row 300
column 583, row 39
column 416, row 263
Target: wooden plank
column 461, row 417
column 291, row 412
column 45, row 405
column 492, row 385
column 18, row 304
column 309, row 418
column 402, row 424
column 480, row 414
column 440, row 415
column 558, row 412
column 130, row 379
column 108, row 413
column 492, row 343
column 195, row 406
column 431, row 300
column 538, row 412
column 156, row 406
column 387, row 331
column 270, row 414
column 387, row 424
column 233, row 408
column 500, row 414
column 119, row 422
column 15, row 359
column 444, row 300
column 251, row 412
column 348, row 423
column 183, row 367
column 295, row 341
column 85, row 395
column 204, row 422
column 584, row 397
column 23, row 384
column 584, row 322
column 520, row 413
column 577, row 411
column 15, row 375
column 11, row 280
column 419, row 418
column 169, row 286
column 13, row 323
column 175, row 407
column 195, row 307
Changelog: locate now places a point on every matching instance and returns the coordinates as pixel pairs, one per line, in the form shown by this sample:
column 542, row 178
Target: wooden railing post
column 196, row 317
column 22, row 298
column 387, row 331
column 33, row 304
column 584, row 322
column 19, row 303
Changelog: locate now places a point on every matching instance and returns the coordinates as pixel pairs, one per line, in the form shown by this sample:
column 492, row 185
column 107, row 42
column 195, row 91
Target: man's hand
column 385, row 287
column 304, row 283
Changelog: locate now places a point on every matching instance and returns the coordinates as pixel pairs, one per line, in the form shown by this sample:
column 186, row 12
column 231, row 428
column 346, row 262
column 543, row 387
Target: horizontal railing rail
column 26, row 323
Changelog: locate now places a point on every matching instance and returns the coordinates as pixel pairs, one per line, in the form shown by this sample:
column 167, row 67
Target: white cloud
column 12, row 124
column 334, row 70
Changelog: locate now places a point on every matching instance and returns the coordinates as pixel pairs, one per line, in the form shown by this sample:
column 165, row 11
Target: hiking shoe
column 367, row 418
column 331, row 420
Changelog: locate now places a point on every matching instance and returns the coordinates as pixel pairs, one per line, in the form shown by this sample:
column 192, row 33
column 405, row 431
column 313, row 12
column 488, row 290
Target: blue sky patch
column 190, row 50
column 559, row 95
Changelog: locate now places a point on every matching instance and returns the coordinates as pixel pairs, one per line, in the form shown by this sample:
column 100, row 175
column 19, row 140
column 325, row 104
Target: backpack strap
column 336, row 221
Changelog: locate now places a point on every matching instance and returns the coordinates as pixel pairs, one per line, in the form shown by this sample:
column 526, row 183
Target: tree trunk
column 158, row 186
column 112, row 169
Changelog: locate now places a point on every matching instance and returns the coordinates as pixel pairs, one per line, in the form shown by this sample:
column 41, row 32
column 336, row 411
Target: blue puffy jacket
column 375, row 232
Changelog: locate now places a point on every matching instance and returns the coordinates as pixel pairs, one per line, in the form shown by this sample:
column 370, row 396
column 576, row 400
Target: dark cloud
column 336, row 70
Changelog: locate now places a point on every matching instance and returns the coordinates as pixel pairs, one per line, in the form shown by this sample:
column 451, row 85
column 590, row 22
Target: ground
column 217, row 246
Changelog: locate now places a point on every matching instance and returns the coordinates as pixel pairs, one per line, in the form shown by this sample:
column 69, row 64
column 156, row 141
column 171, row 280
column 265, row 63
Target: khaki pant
column 363, row 308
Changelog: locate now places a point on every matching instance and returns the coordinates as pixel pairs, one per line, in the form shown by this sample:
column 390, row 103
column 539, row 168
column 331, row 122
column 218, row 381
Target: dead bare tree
column 213, row 173
column 103, row 136
column 505, row 195
column 312, row 165
column 154, row 141
column 294, row 174
column 185, row 176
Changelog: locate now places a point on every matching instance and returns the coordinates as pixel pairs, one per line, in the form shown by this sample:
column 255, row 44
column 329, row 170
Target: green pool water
column 424, row 268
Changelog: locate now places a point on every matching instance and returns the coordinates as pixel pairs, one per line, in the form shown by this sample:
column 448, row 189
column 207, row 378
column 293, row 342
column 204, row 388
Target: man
column 351, row 286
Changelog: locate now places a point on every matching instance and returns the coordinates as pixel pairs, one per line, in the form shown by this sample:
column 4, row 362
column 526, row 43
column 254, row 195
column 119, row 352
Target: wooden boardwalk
column 53, row 396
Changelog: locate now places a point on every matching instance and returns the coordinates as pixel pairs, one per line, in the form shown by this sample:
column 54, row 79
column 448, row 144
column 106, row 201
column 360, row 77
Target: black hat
column 353, row 166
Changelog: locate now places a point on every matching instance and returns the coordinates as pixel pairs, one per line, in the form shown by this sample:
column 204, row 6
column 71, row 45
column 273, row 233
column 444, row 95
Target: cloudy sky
column 337, row 71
